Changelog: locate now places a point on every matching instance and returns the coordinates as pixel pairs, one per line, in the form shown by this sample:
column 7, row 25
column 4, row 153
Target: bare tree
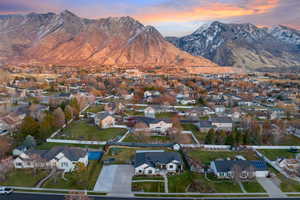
column 236, row 172
column 77, row 196
column 6, row 165
column 5, row 146
column 59, row 117
column 251, row 172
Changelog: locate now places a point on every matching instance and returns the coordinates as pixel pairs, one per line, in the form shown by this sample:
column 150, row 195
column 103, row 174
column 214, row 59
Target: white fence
column 75, row 142
column 207, row 146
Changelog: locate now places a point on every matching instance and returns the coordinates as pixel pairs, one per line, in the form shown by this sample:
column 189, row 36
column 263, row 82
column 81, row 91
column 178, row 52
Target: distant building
column 104, row 120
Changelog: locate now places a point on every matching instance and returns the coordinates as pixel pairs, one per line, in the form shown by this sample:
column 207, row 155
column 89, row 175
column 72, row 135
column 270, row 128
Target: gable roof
column 72, row 153
column 149, row 120
column 153, row 158
column 221, row 120
column 226, row 165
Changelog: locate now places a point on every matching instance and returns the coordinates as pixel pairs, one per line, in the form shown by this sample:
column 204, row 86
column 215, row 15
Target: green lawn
column 89, row 178
column 82, row 130
column 273, row 154
column 147, row 178
column 24, row 178
column 95, row 109
column 165, row 115
column 207, row 156
column 191, row 127
column 148, row 187
column 192, row 182
column 253, row 186
column 290, row 140
column 133, row 113
column 47, row 146
column 147, row 139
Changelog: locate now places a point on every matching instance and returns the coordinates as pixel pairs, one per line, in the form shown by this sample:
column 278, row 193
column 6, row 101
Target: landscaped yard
column 148, row 187
column 273, row 154
column 82, row 130
column 165, row 115
column 207, row 156
column 24, row 178
column 86, row 180
column 95, row 109
column 147, row 139
column 253, row 186
column 133, row 113
column 192, row 182
column 191, row 127
column 48, row 145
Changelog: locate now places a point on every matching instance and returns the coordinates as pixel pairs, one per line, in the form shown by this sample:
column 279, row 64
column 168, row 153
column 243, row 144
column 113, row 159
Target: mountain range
column 243, row 45
column 66, row 39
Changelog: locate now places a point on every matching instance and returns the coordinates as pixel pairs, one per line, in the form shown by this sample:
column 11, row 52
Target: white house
column 149, row 112
column 157, row 163
column 224, row 169
column 222, row 123
column 63, row 158
column 155, row 125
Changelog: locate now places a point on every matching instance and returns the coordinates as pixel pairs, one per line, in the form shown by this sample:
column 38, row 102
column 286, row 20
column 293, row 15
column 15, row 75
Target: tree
column 59, row 117
column 28, row 127
column 29, row 142
column 77, row 196
column 6, row 165
column 46, row 127
column 76, row 107
column 210, row 137
column 230, row 140
column 68, row 113
column 5, row 146
column 236, row 172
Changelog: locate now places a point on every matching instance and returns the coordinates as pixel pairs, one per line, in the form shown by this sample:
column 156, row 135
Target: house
column 157, row 162
column 63, row 158
column 224, row 169
column 155, row 125
column 204, row 125
column 149, row 112
column 288, row 164
column 104, row 120
column 222, row 123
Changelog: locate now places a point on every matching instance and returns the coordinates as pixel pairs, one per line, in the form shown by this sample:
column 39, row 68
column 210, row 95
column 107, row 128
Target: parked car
column 5, row 190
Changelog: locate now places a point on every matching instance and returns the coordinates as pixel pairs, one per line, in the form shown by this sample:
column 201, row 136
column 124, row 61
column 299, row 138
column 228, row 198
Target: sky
column 170, row 17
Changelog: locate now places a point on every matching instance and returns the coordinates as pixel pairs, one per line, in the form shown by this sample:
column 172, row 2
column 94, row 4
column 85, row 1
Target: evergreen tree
column 47, row 127
column 29, row 126
column 230, row 140
column 210, row 137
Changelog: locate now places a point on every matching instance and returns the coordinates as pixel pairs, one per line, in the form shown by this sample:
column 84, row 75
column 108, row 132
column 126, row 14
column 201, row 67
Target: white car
column 5, row 190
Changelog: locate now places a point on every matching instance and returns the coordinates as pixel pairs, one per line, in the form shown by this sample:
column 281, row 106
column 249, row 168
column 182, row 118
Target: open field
column 82, row 130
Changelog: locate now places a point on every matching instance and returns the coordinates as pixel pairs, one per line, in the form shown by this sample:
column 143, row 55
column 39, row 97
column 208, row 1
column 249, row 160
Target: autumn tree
column 77, row 196
column 5, row 146
column 59, row 117
column 76, row 107
column 46, row 127
column 68, row 113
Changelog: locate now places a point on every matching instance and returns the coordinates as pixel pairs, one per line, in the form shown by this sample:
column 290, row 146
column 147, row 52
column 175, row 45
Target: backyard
column 95, row 108
column 83, row 130
column 273, row 154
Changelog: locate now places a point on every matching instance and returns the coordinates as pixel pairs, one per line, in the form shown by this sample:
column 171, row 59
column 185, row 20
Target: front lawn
column 49, row 145
column 273, row 154
column 147, row 139
column 148, row 187
column 207, row 156
column 24, row 178
column 84, row 180
column 192, row 182
column 82, row 130
column 165, row 115
column 147, row 178
column 253, row 186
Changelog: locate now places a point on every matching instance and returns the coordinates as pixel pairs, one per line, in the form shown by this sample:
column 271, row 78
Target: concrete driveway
column 115, row 179
column 271, row 188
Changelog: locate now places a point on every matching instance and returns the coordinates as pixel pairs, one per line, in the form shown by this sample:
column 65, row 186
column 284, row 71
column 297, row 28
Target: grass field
column 207, row 156
column 148, row 187
column 47, row 146
column 273, row 154
column 165, row 115
column 24, row 178
column 82, row 130
column 191, row 127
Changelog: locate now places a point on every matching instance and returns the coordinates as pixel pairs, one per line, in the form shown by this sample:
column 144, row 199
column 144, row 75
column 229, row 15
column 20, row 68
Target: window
column 140, row 171
column 150, row 172
column 64, row 164
column 19, row 164
column 171, row 166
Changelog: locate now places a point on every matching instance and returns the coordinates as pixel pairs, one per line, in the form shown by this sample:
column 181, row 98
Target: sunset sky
column 170, row 17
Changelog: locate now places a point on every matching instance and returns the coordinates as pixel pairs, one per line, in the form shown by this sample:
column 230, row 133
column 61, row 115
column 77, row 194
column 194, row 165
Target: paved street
column 115, row 179
column 270, row 187
column 26, row 196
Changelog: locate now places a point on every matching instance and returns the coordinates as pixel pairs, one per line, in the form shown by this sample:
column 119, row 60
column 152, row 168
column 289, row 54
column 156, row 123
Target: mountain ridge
column 66, row 39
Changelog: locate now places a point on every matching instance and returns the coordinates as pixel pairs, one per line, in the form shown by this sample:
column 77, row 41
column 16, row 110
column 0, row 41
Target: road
column 36, row 196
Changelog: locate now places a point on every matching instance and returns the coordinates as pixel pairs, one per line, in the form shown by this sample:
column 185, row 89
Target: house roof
column 149, row 120
column 72, row 153
column 205, row 124
column 102, row 115
column 153, row 158
column 226, row 165
column 221, row 120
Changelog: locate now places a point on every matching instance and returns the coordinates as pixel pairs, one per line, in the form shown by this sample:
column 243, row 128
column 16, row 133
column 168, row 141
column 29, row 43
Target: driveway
column 115, row 179
column 271, row 188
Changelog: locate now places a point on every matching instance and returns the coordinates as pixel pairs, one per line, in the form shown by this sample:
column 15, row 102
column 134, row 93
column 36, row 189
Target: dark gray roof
column 72, row 153
column 221, row 120
column 149, row 120
column 226, row 165
column 153, row 158
column 102, row 115
column 205, row 124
